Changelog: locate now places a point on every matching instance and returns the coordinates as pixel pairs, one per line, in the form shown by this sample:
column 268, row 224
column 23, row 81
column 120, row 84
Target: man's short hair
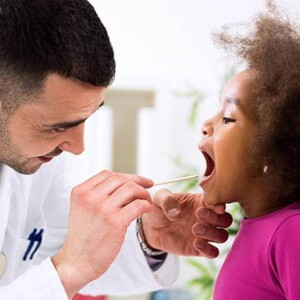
column 40, row 37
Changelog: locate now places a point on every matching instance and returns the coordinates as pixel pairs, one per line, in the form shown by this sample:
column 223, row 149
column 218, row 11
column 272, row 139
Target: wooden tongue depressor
column 175, row 180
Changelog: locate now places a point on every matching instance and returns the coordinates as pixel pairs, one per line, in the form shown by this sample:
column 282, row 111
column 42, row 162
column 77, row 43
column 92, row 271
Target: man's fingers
column 134, row 209
column 108, row 185
column 208, row 216
column 96, row 179
column 168, row 202
column 205, row 249
column 219, row 208
column 103, row 175
column 210, row 233
column 127, row 193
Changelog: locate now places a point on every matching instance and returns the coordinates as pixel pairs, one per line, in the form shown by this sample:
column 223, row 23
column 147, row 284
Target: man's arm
column 101, row 210
column 41, row 282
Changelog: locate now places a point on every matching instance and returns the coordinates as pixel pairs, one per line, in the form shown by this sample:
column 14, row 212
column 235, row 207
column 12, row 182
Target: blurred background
column 169, row 76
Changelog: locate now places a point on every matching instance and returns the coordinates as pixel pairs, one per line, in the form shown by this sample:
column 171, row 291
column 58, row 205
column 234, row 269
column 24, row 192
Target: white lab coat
column 41, row 201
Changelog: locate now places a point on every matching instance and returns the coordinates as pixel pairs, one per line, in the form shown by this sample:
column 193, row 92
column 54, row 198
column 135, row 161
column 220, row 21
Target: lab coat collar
column 9, row 182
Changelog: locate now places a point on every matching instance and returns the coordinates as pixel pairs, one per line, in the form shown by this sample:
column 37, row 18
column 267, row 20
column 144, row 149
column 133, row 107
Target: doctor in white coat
column 56, row 62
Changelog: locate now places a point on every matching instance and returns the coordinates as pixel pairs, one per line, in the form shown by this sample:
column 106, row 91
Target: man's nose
column 73, row 140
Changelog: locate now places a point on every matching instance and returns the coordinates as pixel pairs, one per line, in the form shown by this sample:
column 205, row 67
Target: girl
column 252, row 152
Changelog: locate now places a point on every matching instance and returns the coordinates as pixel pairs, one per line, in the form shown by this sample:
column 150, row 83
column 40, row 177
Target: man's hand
column 101, row 210
column 182, row 224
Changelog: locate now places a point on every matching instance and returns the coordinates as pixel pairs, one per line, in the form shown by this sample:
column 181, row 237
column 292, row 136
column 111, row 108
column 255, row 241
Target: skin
column 184, row 224
column 104, row 205
column 49, row 129
column 227, row 138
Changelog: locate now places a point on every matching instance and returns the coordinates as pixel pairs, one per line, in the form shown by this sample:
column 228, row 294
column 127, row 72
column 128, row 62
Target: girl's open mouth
column 210, row 167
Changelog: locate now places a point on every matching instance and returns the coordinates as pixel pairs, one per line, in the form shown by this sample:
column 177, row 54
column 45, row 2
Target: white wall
column 163, row 43
column 165, row 46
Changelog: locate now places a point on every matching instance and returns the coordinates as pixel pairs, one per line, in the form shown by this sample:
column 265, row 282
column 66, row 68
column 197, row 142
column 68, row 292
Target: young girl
column 252, row 150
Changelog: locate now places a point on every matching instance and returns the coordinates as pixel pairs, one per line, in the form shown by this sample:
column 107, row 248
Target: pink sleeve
column 284, row 257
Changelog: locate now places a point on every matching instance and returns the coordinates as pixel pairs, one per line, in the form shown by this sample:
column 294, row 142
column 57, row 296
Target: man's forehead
column 64, row 95
column 68, row 124
column 62, row 100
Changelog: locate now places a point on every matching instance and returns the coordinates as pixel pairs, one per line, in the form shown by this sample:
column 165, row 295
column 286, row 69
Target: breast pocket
column 20, row 254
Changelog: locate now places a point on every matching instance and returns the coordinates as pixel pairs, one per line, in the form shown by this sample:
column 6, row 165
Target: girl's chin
column 213, row 200
column 209, row 199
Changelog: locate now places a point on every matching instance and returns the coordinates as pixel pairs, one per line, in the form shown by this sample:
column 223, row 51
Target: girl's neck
column 258, row 207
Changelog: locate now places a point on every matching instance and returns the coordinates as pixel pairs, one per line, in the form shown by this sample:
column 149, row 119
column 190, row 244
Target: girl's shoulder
column 287, row 224
column 283, row 252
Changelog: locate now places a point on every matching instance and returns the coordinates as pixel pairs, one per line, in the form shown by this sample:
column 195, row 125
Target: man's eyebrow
column 67, row 124
column 237, row 102
column 71, row 124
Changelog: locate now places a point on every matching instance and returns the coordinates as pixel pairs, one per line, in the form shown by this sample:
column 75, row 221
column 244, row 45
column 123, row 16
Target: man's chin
column 25, row 169
column 29, row 171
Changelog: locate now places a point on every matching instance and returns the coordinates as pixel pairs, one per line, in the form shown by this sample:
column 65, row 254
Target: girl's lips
column 210, row 169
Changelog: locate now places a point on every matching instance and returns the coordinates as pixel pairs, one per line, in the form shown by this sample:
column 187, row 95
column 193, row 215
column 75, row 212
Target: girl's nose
column 207, row 128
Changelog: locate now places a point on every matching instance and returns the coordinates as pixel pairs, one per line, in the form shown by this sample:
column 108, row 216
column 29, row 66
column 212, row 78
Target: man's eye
column 227, row 120
column 59, row 129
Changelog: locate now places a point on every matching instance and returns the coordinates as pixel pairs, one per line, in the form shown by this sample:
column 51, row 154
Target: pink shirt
column 264, row 262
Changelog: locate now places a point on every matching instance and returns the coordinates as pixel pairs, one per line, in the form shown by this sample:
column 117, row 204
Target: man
column 56, row 62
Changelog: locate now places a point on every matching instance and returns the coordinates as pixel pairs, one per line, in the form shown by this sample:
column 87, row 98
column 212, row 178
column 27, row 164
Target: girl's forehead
column 239, row 91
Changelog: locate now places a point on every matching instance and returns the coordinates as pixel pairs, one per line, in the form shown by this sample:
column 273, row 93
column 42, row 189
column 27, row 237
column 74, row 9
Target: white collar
column 9, row 181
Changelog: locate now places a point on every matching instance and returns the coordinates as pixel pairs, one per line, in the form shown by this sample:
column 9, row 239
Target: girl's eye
column 227, row 120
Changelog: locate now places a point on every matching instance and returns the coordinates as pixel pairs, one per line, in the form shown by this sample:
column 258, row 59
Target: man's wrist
column 148, row 250
column 71, row 279
column 66, row 276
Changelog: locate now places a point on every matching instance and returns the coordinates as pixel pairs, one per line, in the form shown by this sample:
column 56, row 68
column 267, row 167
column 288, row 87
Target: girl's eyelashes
column 227, row 120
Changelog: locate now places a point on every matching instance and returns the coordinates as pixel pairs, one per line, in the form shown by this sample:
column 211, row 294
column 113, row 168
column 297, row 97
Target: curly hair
column 272, row 48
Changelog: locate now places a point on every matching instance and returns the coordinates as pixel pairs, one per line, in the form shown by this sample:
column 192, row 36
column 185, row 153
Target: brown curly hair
column 272, row 48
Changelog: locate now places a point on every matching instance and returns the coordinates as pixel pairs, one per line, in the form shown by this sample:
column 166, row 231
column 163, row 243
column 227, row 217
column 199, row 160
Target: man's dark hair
column 272, row 49
column 39, row 37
